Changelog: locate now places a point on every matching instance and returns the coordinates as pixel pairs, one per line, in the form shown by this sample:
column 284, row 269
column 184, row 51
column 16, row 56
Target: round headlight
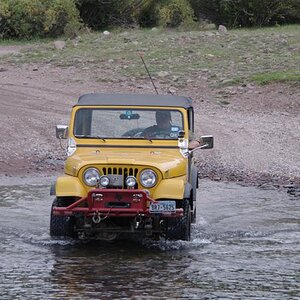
column 130, row 181
column 91, row 177
column 148, row 178
column 104, row 181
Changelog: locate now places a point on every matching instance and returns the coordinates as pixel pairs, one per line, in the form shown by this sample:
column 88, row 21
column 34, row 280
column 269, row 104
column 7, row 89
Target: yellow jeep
column 129, row 168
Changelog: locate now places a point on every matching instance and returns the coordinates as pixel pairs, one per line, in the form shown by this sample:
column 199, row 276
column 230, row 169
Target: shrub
column 28, row 18
column 206, row 9
column 99, row 14
column 247, row 13
column 250, row 13
column 170, row 13
column 62, row 17
column 4, row 16
column 21, row 18
column 175, row 13
column 149, row 14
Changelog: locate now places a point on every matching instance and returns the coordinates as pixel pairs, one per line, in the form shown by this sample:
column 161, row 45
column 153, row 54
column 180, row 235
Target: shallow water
column 245, row 245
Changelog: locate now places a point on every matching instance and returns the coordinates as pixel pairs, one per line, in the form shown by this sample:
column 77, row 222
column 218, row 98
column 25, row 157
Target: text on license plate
column 162, row 206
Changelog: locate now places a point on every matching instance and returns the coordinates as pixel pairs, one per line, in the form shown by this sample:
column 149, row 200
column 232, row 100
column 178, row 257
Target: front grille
column 120, row 172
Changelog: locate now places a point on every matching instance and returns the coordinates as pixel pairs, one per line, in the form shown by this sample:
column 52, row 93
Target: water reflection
column 120, row 269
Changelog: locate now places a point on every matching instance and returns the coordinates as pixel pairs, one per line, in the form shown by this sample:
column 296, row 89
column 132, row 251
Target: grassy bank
column 241, row 56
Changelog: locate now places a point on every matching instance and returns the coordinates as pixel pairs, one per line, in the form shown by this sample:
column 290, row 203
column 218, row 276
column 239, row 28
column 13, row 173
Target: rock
column 209, row 34
column 60, row 45
column 163, row 73
column 172, row 90
column 284, row 42
column 268, row 50
column 210, row 56
column 3, row 69
column 154, row 29
column 228, row 81
column 210, row 26
column 35, row 69
column 106, row 32
column 222, row 29
column 294, row 190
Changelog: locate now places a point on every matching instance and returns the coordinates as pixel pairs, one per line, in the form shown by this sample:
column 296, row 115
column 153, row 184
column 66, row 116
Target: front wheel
column 61, row 226
column 180, row 228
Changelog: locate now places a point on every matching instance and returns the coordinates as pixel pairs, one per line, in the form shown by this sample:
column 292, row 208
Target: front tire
column 61, row 226
column 180, row 228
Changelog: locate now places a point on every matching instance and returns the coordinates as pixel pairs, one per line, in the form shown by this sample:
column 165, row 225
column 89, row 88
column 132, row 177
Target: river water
column 245, row 245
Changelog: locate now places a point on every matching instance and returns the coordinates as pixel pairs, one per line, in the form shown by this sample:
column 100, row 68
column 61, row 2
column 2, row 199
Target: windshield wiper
column 83, row 136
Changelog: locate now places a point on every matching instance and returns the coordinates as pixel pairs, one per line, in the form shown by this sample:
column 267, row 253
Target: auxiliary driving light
column 130, row 181
column 104, row 181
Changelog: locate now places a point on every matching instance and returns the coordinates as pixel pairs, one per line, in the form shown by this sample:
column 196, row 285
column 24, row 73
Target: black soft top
column 134, row 100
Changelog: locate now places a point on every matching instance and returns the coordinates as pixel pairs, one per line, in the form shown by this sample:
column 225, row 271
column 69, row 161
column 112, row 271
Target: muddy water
column 246, row 245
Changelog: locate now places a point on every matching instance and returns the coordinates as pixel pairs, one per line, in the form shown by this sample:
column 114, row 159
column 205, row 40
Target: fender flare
column 194, row 181
column 68, row 186
column 53, row 189
column 188, row 189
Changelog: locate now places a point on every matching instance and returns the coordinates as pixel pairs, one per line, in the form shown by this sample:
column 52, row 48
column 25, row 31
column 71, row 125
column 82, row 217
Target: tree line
column 50, row 18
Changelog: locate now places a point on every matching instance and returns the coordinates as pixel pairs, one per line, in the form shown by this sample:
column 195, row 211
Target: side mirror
column 208, row 141
column 62, row 131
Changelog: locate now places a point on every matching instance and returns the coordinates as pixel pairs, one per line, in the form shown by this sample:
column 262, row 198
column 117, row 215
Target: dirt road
column 256, row 130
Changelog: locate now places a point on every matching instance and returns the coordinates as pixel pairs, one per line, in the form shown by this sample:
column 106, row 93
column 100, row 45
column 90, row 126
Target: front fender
column 172, row 188
column 67, row 186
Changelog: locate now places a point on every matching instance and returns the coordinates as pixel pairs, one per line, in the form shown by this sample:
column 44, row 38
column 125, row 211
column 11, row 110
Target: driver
column 163, row 124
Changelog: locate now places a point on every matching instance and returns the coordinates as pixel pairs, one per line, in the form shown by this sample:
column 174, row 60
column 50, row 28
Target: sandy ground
column 257, row 130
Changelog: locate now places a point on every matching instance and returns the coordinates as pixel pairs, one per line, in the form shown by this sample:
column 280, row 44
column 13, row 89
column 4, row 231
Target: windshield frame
column 183, row 124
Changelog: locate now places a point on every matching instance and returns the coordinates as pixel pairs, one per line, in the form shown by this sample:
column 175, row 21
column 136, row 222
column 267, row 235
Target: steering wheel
column 159, row 133
column 136, row 132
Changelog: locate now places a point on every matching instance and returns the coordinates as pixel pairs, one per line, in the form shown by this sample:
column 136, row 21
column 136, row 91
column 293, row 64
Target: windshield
column 133, row 124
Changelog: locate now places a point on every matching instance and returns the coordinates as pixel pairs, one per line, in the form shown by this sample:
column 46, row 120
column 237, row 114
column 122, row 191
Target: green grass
column 20, row 42
column 288, row 76
column 260, row 55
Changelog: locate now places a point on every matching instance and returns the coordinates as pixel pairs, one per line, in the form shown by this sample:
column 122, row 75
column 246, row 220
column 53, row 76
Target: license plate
column 162, row 207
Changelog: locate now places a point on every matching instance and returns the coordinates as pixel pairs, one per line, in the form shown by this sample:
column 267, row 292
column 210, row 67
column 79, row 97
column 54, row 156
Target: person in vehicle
column 163, row 127
column 163, row 124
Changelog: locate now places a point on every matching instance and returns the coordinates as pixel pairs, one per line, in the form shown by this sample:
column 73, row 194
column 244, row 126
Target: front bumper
column 113, row 203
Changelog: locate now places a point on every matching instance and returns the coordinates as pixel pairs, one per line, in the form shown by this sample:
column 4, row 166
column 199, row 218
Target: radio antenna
column 141, row 56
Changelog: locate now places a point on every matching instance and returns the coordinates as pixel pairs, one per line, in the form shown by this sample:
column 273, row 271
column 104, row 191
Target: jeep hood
column 168, row 161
